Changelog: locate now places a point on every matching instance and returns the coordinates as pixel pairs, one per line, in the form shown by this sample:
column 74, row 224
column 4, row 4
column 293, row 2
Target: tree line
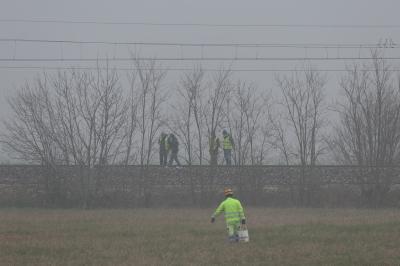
column 97, row 118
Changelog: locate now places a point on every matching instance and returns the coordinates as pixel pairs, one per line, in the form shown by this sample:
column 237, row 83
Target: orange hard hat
column 228, row 191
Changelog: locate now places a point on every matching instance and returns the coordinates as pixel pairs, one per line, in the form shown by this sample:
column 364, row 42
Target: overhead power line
column 174, row 69
column 272, row 25
column 181, row 44
column 191, row 59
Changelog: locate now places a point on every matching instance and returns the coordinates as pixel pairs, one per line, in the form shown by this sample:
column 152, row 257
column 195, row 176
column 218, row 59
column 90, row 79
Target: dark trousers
column 228, row 157
column 163, row 157
column 174, row 157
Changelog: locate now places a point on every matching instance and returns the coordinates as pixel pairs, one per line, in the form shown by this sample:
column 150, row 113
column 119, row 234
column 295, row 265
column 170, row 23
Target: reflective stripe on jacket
column 227, row 144
column 233, row 210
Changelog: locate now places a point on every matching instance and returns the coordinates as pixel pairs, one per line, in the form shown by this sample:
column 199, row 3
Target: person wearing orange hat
column 233, row 213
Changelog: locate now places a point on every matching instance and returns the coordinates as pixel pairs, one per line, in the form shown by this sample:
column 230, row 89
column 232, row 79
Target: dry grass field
column 185, row 237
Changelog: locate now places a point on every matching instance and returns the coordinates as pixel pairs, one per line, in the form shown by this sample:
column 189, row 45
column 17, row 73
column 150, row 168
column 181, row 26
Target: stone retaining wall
column 154, row 186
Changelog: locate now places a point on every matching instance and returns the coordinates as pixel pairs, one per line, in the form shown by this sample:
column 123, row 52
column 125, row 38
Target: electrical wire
column 173, row 69
column 57, row 21
column 100, row 59
column 253, row 45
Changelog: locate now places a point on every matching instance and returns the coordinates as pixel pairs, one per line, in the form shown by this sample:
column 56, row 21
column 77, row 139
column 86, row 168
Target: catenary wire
column 175, row 69
column 254, row 45
column 191, row 59
column 276, row 25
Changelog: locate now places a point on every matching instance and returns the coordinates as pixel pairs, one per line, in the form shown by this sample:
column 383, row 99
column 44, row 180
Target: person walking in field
column 233, row 212
column 227, row 146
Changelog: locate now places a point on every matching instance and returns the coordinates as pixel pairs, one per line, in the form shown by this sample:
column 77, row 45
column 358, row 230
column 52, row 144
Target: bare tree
column 112, row 117
column 303, row 103
column 92, row 111
column 149, row 106
column 236, row 122
column 219, row 89
column 68, row 118
column 279, row 140
column 368, row 132
column 188, row 113
column 132, row 120
column 264, row 143
column 244, row 120
column 198, row 107
column 303, row 106
column 30, row 133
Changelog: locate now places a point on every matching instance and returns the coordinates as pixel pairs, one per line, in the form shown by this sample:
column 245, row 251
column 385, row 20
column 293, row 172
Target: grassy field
column 185, row 237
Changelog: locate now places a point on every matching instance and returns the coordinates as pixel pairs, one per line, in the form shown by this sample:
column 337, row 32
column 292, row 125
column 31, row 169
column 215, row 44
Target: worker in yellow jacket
column 227, row 145
column 233, row 212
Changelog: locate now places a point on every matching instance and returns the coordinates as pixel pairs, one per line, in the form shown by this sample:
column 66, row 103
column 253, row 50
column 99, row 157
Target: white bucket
column 243, row 234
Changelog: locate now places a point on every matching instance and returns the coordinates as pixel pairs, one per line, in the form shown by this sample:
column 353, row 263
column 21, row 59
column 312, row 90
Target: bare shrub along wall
column 200, row 186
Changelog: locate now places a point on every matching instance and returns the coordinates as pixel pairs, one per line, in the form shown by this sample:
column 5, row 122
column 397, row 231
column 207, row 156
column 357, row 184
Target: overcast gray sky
column 360, row 12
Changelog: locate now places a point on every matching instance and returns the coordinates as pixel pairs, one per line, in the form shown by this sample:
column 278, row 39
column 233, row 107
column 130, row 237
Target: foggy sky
column 180, row 11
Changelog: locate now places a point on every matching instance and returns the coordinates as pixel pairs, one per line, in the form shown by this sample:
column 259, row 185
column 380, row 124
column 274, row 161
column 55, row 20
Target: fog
column 192, row 22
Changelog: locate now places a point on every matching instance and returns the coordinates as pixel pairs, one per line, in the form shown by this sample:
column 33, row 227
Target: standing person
column 214, row 149
column 227, row 146
column 163, row 149
column 173, row 144
column 233, row 212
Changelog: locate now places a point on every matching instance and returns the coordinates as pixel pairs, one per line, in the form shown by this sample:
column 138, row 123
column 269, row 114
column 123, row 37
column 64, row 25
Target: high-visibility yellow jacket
column 233, row 210
column 227, row 143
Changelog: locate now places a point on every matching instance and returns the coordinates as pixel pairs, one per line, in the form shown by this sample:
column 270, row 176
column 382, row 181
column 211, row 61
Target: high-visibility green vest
column 227, row 144
column 233, row 210
column 163, row 142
